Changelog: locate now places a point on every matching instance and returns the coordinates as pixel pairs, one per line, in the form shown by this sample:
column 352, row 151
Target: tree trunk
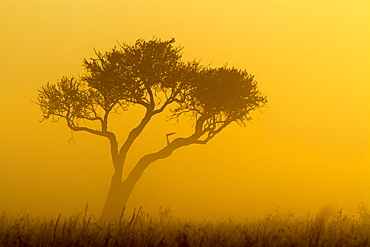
column 115, row 202
column 119, row 192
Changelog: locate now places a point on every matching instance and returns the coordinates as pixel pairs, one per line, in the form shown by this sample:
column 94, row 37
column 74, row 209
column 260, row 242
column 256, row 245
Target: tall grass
column 141, row 229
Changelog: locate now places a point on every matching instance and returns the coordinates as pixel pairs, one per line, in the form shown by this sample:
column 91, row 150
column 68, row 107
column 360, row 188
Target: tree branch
column 165, row 104
column 134, row 133
column 111, row 137
column 212, row 133
column 166, row 151
column 73, row 127
column 151, row 96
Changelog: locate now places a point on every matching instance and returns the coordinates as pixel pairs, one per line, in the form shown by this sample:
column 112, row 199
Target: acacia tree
column 152, row 75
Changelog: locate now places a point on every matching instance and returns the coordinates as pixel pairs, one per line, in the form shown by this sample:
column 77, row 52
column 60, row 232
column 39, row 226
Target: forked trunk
column 119, row 193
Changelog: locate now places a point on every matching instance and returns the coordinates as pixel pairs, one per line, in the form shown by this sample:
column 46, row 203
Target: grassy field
column 141, row 229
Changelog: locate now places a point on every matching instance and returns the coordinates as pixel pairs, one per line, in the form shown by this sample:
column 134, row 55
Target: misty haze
column 227, row 123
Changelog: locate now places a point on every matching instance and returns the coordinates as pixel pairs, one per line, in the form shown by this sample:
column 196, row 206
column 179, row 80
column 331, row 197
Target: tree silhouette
column 150, row 74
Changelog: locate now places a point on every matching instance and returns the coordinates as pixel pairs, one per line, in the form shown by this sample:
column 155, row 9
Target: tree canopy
column 152, row 74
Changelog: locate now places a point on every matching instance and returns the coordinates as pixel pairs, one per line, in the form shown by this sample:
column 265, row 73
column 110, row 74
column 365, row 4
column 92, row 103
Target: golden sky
column 309, row 147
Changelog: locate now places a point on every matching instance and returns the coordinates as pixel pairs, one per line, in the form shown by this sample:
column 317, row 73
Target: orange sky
column 309, row 147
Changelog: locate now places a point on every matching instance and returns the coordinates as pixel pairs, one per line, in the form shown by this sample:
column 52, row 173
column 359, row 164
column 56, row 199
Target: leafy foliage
column 68, row 98
column 222, row 95
column 136, row 74
column 151, row 74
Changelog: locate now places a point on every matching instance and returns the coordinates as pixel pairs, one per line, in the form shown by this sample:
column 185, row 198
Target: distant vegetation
column 141, row 229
